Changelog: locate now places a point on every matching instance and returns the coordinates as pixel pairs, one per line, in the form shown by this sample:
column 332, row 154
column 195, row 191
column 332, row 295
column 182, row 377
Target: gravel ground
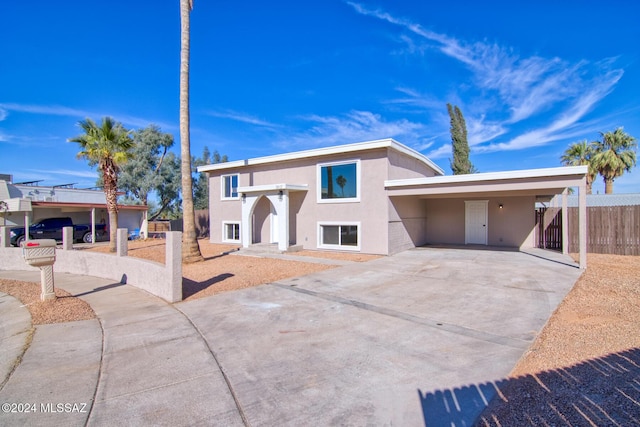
column 583, row 369
column 64, row 308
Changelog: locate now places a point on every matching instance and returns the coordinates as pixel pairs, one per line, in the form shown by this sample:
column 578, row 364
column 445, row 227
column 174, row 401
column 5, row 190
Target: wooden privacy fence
column 610, row 229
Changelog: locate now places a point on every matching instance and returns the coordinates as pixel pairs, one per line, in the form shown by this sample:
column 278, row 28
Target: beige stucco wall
column 511, row 226
column 371, row 212
column 402, row 166
column 407, row 223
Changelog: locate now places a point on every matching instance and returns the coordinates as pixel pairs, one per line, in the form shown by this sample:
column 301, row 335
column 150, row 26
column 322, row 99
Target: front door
column 475, row 231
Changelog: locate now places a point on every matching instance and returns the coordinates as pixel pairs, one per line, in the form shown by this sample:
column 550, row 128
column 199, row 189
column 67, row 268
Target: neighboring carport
column 467, row 209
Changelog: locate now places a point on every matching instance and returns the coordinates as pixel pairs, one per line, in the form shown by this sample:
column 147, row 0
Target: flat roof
column 86, row 205
column 326, row 151
column 563, row 171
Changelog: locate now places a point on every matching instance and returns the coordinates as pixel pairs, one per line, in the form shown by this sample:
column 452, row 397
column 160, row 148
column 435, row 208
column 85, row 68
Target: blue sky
column 278, row 76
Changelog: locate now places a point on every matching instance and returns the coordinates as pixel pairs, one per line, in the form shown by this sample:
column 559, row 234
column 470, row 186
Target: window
column 339, row 182
column 231, row 232
column 339, row 236
column 229, row 186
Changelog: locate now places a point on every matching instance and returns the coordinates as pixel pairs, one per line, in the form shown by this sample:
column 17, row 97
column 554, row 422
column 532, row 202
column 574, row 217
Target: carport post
column 565, row 224
column 27, row 224
column 582, row 222
column 4, row 237
column 93, row 225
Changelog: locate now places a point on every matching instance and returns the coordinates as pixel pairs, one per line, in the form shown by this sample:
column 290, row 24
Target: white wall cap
column 272, row 187
column 564, row 171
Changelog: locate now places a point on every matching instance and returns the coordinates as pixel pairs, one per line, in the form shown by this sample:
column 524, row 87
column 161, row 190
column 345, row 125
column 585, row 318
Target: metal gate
column 549, row 228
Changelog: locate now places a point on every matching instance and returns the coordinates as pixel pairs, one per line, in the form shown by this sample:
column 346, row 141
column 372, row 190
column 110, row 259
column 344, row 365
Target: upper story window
column 229, row 186
column 339, row 181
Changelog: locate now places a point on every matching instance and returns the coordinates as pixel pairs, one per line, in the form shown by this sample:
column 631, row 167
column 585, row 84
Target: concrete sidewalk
column 355, row 345
column 147, row 365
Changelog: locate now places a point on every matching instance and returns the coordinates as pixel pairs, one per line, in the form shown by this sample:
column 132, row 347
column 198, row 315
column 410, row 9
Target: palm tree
column 341, row 181
column 615, row 154
column 580, row 154
column 108, row 146
column 190, row 248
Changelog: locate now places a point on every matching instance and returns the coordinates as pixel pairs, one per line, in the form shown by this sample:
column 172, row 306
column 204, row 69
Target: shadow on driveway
column 601, row 391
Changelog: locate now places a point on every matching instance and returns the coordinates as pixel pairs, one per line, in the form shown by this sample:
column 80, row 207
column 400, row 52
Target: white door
column 275, row 229
column 475, row 222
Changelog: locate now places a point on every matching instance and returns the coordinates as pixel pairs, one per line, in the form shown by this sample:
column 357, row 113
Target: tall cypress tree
column 460, row 164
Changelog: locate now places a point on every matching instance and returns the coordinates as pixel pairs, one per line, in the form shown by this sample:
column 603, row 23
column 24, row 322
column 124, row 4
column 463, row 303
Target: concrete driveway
column 372, row 343
column 418, row 337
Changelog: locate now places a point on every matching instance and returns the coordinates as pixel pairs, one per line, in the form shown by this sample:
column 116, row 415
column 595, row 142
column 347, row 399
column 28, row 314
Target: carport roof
column 72, row 205
column 549, row 180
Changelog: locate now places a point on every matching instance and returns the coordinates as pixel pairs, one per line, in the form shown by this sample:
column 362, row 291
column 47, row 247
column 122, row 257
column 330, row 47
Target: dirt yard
column 221, row 271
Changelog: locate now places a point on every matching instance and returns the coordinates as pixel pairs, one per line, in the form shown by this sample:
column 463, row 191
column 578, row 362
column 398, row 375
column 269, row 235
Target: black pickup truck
column 51, row 228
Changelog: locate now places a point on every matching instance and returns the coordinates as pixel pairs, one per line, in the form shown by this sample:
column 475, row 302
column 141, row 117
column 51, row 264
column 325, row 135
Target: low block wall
column 164, row 281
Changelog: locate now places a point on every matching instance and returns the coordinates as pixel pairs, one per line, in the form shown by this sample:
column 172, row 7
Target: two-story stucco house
column 377, row 197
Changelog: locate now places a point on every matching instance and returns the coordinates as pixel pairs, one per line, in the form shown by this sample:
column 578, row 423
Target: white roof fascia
column 326, row 151
column 18, row 205
column 490, row 176
column 272, row 187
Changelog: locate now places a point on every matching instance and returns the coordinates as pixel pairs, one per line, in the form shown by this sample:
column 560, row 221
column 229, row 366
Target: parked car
column 51, row 228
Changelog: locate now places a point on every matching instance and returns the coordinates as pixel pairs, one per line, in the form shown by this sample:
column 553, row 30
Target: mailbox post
column 42, row 253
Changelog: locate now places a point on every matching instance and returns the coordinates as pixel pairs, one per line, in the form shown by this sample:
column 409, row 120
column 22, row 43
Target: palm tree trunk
column 608, row 186
column 190, row 248
column 109, row 179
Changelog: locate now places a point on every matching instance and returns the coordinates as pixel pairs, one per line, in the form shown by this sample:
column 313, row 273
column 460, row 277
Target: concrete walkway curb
column 15, row 334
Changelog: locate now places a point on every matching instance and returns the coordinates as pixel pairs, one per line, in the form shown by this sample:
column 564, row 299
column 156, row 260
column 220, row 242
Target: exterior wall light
column 244, row 197
column 280, row 194
column 501, row 206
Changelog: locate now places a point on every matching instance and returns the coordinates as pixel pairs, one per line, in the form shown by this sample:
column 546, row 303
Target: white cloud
column 59, row 110
column 244, row 118
column 523, row 86
column 355, row 126
column 440, row 152
column 66, row 172
column 479, row 131
column 3, row 113
column 565, row 124
column 54, row 110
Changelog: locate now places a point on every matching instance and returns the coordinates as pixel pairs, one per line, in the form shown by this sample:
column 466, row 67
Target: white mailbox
column 41, row 253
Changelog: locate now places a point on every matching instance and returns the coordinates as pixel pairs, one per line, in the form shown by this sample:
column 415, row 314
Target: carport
column 493, row 209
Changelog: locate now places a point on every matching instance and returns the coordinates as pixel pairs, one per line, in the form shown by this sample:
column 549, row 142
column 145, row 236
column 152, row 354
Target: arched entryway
column 265, row 214
column 264, row 224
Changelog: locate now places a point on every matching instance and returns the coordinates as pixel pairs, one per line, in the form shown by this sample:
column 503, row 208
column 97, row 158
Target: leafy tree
column 190, row 248
column 615, row 154
column 152, row 169
column 581, row 154
column 168, row 188
column 201, row 185
column 108, row 147
column 341, row 181
column 460, row 163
